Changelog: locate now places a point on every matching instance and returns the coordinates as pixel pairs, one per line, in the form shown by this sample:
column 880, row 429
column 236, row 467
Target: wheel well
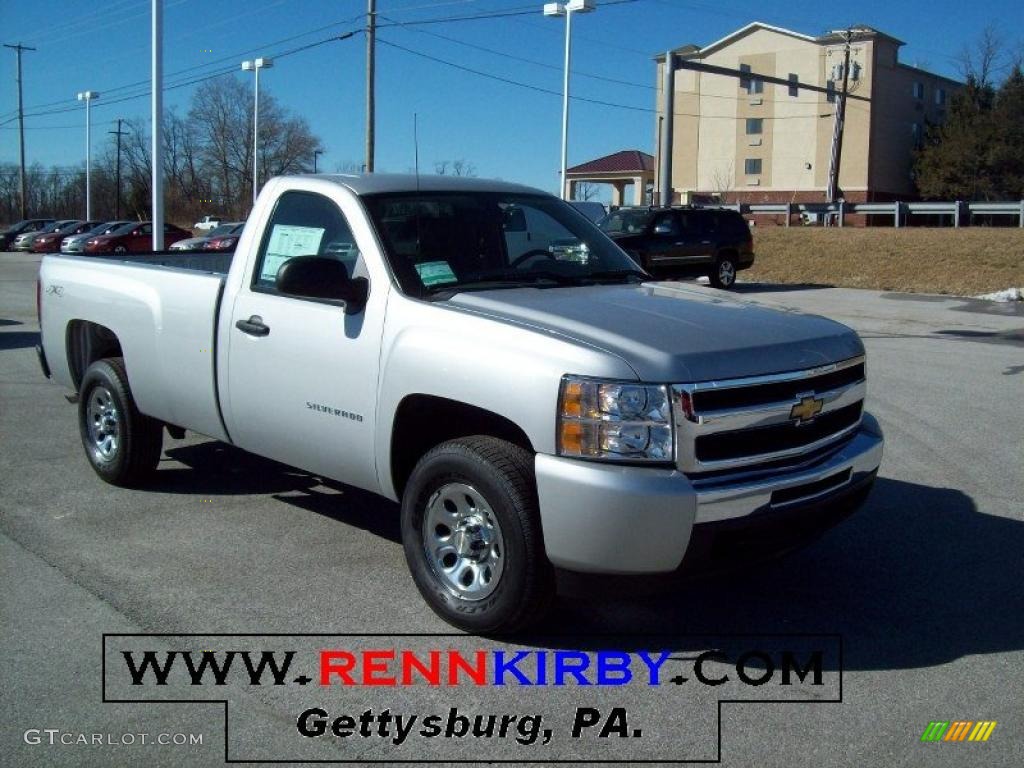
column 424, row 421
column 88, row 342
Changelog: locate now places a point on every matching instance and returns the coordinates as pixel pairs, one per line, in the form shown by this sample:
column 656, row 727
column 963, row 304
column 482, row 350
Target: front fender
column 510, row 370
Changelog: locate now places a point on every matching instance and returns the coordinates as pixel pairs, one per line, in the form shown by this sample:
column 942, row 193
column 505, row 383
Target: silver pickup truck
column 540, row 412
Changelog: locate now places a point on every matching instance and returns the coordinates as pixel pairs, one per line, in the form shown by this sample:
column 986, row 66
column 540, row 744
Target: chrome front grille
column 752, row 423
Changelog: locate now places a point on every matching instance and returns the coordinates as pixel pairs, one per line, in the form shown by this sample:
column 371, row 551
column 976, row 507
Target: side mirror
column 316, row 277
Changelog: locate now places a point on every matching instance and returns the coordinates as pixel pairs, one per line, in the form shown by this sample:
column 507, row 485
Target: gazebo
column 630, row 166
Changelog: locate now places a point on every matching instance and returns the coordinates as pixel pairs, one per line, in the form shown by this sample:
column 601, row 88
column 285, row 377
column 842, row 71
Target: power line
column 515, row 11
column 600, row 102
column 514, row 57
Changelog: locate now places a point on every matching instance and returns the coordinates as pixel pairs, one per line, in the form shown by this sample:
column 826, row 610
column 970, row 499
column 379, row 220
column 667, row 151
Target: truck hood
column 670, row 333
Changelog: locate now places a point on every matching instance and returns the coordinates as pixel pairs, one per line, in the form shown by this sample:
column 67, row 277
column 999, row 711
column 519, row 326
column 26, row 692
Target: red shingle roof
column 626, row 161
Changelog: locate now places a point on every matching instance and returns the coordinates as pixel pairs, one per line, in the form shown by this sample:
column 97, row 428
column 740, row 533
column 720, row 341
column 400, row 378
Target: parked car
column 23, row 242
column 684, row 242
column 592, row 209
column 51, row 243
column 137, row 236
column 25, row 226
column 531, row 415
column 76, row 243
column 208, row 223
column 225, row 241
column 197, row 243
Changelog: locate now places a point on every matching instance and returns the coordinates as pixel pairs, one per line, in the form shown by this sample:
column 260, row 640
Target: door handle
column 254, row 326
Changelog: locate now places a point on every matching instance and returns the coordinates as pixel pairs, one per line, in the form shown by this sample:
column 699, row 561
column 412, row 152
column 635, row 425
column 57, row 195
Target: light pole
column 87, row 97
column 567, row 10
column 255, row 66
column 316, row 154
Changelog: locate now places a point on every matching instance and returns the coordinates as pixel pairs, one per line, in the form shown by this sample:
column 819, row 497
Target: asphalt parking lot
column 924, row 584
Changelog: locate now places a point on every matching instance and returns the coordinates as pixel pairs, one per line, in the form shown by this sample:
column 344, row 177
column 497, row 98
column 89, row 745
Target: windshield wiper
column 619, row 274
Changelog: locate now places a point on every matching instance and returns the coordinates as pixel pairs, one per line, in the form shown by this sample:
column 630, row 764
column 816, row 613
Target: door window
column 667, row 225
column 303, row 224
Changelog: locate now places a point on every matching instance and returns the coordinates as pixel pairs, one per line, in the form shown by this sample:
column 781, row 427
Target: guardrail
column 960, row 211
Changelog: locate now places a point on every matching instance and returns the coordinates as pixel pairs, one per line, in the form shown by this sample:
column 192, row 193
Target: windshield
column 625, row 221
column 106, row 227
column 223, row 229
column 124, row 229
column 439, row 243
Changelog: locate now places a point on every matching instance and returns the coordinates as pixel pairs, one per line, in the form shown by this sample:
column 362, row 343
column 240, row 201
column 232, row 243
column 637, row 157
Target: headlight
column 614, row 421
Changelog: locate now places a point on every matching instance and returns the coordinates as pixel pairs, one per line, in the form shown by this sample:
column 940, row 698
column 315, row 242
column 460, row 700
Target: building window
column 794, row 85
column 918, row 90
column 752, row 166
column 750, row 84
column 830, row 91
column 940, row 97
column 916, row 133
column 755, row 126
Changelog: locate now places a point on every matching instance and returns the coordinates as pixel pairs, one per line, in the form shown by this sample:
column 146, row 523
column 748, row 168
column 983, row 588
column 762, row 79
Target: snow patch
column 1010, row 294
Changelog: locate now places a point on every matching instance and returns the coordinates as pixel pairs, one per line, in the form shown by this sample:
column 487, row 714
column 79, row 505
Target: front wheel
column 122, row 445
column 472, row 536
column 724, row 273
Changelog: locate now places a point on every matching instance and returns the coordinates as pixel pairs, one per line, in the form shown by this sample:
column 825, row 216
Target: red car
column 50, row 242
column 133, row 238
column 226, row 241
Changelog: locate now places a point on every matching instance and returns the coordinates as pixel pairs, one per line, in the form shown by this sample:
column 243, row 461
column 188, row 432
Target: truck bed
column 214, row 262
column 162, row 307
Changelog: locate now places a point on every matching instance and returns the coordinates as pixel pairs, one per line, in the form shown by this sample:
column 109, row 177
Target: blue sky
column 506, row 131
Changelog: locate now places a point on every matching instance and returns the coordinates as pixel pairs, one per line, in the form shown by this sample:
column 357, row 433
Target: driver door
column 302, row 373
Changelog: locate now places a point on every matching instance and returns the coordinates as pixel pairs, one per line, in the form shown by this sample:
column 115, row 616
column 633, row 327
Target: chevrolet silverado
column 483, row 354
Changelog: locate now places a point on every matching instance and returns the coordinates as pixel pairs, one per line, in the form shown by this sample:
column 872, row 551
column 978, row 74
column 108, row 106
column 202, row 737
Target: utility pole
column 371, row 56
column 667, row 126
column 21, row 125
column 156, row 118
column 117, row 172
column 837, row 132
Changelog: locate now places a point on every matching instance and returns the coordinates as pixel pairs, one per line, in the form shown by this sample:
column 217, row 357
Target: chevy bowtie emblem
column 806, row 409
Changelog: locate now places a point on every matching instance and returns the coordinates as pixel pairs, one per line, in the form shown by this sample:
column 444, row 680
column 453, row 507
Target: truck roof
column 378, row 183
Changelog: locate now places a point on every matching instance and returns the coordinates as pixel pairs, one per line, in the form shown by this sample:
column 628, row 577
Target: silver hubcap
column 726, row 273
column 104, row 424
column 462, row 541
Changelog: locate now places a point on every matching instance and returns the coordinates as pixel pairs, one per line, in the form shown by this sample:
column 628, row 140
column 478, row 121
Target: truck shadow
column 217, row 469
column 917, row 577
column 18, row 339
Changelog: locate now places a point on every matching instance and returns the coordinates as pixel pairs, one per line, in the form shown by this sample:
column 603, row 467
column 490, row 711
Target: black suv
column 684, row 242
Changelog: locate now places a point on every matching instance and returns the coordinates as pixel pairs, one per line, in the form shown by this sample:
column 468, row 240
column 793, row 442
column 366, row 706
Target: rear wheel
column 122, row 445
column 472, row 537
column 724, row 273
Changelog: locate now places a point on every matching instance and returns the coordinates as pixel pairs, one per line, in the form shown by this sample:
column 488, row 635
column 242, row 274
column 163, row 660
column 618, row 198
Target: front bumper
column 602, row 518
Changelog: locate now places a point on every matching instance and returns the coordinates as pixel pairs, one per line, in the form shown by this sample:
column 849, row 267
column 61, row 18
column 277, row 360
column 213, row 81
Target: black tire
column 134, row 453
column 502, row 473
column 120, row 249
column 724, row 273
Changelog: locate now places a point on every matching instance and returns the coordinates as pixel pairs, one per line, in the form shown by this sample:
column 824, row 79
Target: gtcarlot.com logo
column 56, row 737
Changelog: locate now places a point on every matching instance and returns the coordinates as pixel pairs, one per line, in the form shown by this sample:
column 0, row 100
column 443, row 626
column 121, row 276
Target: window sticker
column 287, row 241
column 436, row 273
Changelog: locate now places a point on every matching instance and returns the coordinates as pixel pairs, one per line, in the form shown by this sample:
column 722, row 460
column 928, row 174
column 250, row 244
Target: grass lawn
column 963, row 262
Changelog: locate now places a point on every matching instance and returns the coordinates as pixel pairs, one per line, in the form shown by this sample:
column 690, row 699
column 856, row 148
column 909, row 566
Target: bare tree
column 723, row 180
column 460, row 167
column 980, row 61
column 587, row 190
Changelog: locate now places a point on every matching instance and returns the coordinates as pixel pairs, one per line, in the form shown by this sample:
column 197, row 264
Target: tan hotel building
column 754, row 141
